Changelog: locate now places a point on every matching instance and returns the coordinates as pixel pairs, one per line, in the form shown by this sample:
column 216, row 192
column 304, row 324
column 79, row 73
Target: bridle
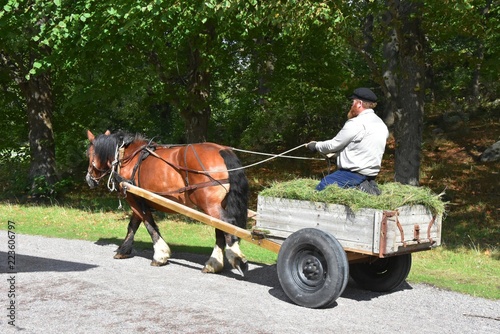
column 103, row 172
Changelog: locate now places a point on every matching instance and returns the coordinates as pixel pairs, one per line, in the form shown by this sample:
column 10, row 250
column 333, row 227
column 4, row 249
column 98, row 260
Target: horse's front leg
column 125, row 250
column 161, row 250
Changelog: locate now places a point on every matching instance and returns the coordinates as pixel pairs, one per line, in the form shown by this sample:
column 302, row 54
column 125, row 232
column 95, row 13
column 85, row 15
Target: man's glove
column 311, row 146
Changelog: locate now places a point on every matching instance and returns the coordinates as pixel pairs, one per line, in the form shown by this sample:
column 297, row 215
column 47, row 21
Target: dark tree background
column 251, row 74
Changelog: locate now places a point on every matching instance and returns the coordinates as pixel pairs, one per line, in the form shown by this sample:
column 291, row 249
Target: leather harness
column 148, row 150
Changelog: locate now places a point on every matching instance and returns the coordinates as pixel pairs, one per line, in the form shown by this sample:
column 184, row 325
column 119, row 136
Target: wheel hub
column 312, row 271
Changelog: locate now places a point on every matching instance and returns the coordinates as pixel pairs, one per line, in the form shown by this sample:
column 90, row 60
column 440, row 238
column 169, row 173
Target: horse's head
column 99, row 163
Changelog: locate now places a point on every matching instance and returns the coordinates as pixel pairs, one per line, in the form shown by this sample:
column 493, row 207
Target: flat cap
column 364, row 94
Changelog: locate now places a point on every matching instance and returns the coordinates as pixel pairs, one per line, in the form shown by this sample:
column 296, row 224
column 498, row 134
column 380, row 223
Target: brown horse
column 206, row 176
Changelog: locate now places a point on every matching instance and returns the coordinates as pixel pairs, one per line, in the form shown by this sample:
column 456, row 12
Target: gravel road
column 72, row 286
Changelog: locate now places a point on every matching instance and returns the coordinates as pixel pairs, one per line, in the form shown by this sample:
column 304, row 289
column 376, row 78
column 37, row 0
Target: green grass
column 465, row 270
column 105, row 225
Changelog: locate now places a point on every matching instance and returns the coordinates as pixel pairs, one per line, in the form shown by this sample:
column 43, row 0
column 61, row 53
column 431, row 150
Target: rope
column 274, row 155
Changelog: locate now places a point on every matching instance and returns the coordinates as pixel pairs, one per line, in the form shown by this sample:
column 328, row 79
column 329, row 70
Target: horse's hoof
column 208, row 269
column 213, row 266
column 155, row 263
column 122, row 256
column 241, row 265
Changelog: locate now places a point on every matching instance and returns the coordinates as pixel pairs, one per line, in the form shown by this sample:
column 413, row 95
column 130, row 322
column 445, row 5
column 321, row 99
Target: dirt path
column 71, row 286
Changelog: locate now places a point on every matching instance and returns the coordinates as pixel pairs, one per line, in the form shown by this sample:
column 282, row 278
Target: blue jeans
column 343, row 178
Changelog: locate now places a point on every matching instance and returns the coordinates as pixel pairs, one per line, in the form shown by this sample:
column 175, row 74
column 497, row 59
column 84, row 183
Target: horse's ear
column 107, row 133
column 90, row 136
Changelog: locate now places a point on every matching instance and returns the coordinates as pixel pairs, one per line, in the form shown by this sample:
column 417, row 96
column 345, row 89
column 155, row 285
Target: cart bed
column 367, row 231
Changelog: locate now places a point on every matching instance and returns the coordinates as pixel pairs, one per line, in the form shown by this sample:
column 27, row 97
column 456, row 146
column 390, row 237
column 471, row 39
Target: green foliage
column 42, row 191
column 14, row 170
column 14, row 155
column 463, row 43
column 278, row 72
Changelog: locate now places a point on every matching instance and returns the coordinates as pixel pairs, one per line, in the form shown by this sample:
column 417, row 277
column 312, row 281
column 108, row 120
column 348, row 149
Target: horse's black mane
column 105, row 146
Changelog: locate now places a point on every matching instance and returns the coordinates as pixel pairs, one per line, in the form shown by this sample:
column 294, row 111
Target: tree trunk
column 390, row 51
column 475, row 94
column 197, row 110
column 196, row 121
column 38, row 95
column 411, row 82
column 390, row 77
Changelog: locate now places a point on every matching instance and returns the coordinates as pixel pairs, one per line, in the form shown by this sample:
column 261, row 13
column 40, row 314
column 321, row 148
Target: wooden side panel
column 282, row 217
column 412, row 228
column 407, row 229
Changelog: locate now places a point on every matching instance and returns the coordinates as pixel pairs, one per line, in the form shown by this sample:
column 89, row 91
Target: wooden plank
column 200, row 216
column 358, row 231
column 420, row 230
column 282, row 217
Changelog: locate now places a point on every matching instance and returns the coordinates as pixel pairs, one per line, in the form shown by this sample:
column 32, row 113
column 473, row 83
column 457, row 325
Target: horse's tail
column 236, row 201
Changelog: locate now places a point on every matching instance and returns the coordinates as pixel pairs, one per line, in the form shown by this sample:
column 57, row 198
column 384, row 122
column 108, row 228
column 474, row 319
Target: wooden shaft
column 200, row 216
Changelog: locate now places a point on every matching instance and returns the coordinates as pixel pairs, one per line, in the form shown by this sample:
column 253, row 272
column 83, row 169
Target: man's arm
column 341, row 140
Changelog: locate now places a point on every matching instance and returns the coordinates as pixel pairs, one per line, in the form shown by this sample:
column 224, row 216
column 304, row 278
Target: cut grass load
column 393, row 195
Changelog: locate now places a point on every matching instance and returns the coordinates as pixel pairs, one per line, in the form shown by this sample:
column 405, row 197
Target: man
column 359, row 146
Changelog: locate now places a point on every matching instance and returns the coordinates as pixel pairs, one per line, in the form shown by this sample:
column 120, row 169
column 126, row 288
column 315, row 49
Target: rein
column 115, row 168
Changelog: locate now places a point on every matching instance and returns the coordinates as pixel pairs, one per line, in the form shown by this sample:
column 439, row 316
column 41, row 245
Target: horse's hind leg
column 125, row 250
column 231, row 244
column 234, row 254
column 215, row 263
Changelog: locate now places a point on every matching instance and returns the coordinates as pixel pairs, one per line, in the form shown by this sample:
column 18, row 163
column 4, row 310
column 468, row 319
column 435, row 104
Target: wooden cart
column 319, row 245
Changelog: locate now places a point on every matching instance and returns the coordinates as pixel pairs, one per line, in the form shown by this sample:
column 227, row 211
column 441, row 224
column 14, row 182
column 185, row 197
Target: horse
column 205, row 176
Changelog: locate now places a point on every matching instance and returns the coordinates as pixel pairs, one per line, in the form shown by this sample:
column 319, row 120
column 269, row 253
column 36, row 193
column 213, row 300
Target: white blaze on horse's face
column 92, row 178
column 96, row 169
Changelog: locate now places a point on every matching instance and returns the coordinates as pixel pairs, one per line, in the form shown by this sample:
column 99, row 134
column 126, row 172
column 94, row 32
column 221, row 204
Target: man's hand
column 311, row 146
column 350, row 114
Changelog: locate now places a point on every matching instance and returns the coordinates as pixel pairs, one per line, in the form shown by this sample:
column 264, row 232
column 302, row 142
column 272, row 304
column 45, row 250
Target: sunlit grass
column 182, row 234
column 463, row 270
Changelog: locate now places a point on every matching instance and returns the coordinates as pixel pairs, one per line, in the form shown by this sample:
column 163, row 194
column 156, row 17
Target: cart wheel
column 381, row 275
column 312, row 268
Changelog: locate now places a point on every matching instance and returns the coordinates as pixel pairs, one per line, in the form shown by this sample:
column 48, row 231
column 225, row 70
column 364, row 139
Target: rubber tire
column 297, row 278
column 381, row 275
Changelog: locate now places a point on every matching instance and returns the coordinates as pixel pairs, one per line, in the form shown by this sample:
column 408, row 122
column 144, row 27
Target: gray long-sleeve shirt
column 360, row 144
